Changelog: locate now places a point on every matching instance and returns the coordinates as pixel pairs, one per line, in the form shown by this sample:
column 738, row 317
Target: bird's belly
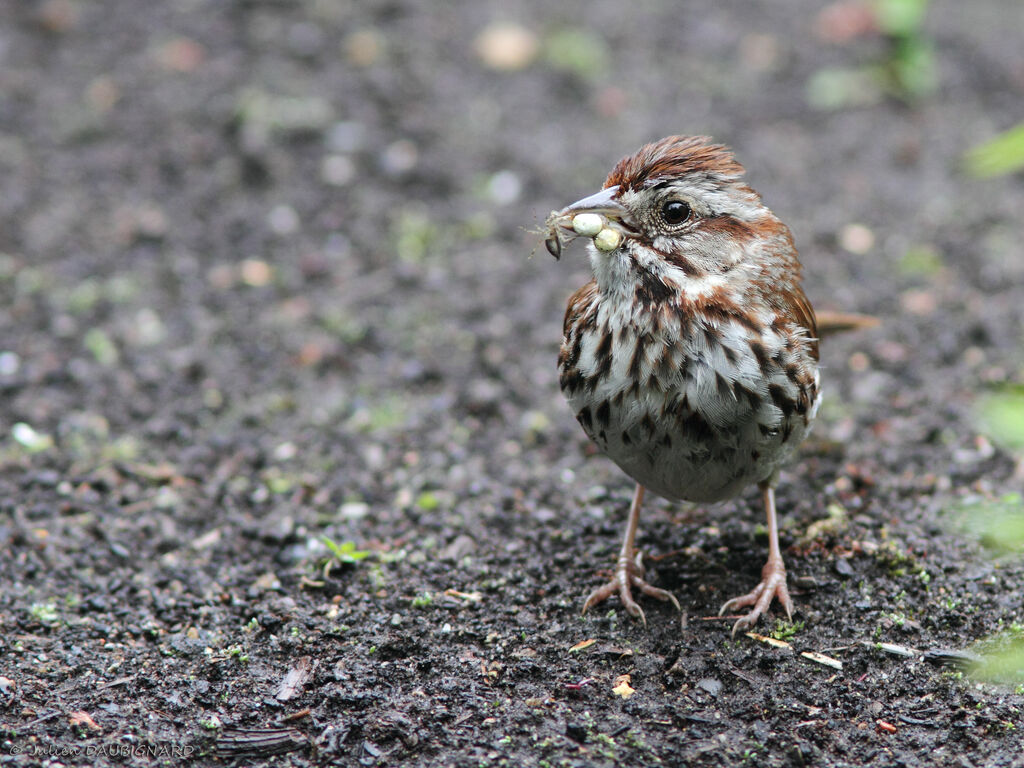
column 697, row 470
column 688, row 417
column 706, row 453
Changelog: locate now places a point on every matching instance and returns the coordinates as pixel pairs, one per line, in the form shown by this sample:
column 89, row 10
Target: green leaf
column 101, row 346
column 427, row 501
column 832, row 88
column 998, row 156
column 27, row 437
column 921, row 260
column 345, row 552
column 997, row 523
column 1005, row 665
column 579, row 51
column 902, row 18
column 915, row 68
column 1001, row 416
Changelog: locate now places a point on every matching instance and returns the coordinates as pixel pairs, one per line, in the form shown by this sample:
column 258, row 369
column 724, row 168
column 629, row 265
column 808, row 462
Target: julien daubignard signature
column 109, row 749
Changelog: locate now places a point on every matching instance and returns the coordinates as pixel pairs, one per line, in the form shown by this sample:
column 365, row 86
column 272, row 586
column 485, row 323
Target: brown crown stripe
column 675, row 156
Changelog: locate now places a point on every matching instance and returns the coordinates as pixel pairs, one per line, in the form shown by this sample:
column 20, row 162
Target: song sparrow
column 691, row 358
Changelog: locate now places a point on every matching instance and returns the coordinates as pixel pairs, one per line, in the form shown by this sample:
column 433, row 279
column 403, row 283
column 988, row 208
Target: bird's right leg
column 629, row 571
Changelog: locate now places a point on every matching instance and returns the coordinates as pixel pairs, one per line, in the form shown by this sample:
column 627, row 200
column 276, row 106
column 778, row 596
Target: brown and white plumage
column 691, row 357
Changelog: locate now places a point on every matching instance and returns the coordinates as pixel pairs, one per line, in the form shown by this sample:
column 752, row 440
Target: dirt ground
column 267, row 293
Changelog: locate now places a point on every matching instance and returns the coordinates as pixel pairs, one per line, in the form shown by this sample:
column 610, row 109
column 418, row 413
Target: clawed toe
column 773, row 576
column 629, row 574
column 773, row 585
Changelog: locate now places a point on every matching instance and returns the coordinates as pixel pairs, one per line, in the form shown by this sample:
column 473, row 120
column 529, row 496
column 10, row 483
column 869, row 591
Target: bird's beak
column 602, row 202
column 560, row 222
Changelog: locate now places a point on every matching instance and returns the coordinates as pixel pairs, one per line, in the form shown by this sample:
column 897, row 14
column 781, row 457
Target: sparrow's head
column 681, row 200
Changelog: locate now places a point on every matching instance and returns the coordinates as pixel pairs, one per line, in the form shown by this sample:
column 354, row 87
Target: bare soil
column 266, row 279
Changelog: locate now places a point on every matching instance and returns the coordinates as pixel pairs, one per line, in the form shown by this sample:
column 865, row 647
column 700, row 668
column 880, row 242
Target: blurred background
column 311, row 223
column 219, row 212
column 272, row 271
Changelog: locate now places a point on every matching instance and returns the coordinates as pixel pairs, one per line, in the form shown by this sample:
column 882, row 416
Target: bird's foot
column 773, row 585
column 629, row 573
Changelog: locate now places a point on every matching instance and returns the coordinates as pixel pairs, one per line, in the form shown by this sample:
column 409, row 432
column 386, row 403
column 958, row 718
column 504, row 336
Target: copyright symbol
column 16, row 750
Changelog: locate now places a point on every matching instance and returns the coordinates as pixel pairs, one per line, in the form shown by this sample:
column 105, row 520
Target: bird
column 691, row 357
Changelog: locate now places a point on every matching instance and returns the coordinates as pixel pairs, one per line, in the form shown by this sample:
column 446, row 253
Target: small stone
column 506, row 47
column 711, row 685
column 504, row 187
column 9, row 363
column 856, row 238
column 588, row 224
column 919, row 302
column 363, row 48
column 102, row 94
column 285, row 451
column 57, row 16
column 607, row 240
column 148, row 329
column 283, row 220
column 337, row 170
column 181, row 55
column 399, row 157
column 255, row 273
column 354, row 510
column 346, row 136
column 576, row 732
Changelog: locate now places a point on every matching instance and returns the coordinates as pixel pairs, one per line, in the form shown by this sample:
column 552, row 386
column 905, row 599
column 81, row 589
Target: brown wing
column 578, row 319
column 577, row 308
column 803, row 315
column 830, row 322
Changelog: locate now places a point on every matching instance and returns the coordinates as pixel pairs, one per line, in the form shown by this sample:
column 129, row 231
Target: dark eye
column 675, row 212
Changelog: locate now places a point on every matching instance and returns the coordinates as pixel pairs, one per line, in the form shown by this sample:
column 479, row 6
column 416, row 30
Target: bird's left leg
column 773, row 575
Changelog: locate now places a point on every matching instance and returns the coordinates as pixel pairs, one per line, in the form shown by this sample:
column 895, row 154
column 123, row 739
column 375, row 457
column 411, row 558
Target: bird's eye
column 675, row 212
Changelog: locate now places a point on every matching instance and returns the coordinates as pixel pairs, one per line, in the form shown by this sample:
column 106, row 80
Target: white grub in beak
column 587, row 224
column 608, row 239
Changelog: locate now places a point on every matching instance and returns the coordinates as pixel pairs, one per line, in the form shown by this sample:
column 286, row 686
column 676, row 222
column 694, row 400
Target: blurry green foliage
column 83, row 296
column 45, row 613
column 910, row 69
column 345, row 552
column 261, row 114
column 1004, row 662
column 385, row 412
column 427, row 501
column 997, row 523
column 29, row 439
column 922, row 260
column 840, row 88
column 414, row 234
column 579, row 51
column 1001, row 416
column 900, row 17
column 277, row 481
column 102, row 347
column 997, row 156
column 907, row 70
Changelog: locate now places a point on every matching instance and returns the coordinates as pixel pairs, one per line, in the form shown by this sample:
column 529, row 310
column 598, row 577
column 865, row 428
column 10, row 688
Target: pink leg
column 773, row 575
column 629, row 571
